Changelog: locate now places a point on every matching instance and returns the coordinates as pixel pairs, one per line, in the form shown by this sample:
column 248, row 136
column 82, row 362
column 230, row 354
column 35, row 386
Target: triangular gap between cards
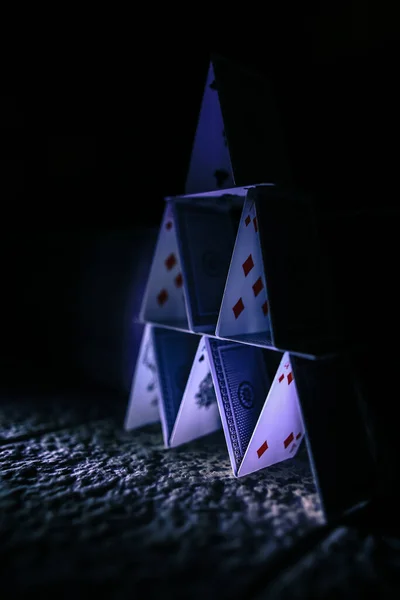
column 198, row 413
column 279, row 429
column 144, row 396
column 164, row 300
column 210, row 164
column 244, row 312
column 206, row 227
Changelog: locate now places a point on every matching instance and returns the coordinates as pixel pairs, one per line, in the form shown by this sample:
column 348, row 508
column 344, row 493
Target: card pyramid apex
column 238, row 140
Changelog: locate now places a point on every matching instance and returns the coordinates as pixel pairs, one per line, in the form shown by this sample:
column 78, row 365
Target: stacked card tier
column 219, row 269
column 207, row 274
column 197, row 384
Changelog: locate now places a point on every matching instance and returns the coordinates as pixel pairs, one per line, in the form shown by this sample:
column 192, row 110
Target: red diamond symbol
column 265, row 308
column 168, row 225
column 170, row 261
column 262, row 449
column 255, row 224
column 248, row 265
column 247, row 220
column 258, row 286
column 162, row 297
column 178, row 280
column 238, row 308
column 288, row 440
column 281, row 378
column 298, row 436
column 290, row 378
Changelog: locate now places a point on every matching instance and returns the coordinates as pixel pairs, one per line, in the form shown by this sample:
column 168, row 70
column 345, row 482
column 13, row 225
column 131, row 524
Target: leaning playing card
column 244, row 313
column 210, row 164
column 242, row 382
column 198, row 413
column 164, row 301
column 174, row 353
column 279, row 429
column 144, row 397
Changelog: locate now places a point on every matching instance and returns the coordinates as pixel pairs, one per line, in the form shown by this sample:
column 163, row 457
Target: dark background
column 97, row 126
column 97, row 117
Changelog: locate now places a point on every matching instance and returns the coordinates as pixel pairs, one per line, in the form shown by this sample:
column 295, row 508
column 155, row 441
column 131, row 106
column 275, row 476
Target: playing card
column 164, row 301
column 304, row 316
column 206, row 236
column 210, row 165
column 144, row 396
column 252, row 122
column 174, row 354
column 241, row 381
column 279, row 429
column 198, row 413
column 244, row 312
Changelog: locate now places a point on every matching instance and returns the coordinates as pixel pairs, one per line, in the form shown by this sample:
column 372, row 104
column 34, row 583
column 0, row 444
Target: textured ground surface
column 87, row 508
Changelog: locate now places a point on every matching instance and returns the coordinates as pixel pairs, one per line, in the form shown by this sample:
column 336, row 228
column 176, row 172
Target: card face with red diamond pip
column 258, row 402
column 164, row 302
column 244, row 313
